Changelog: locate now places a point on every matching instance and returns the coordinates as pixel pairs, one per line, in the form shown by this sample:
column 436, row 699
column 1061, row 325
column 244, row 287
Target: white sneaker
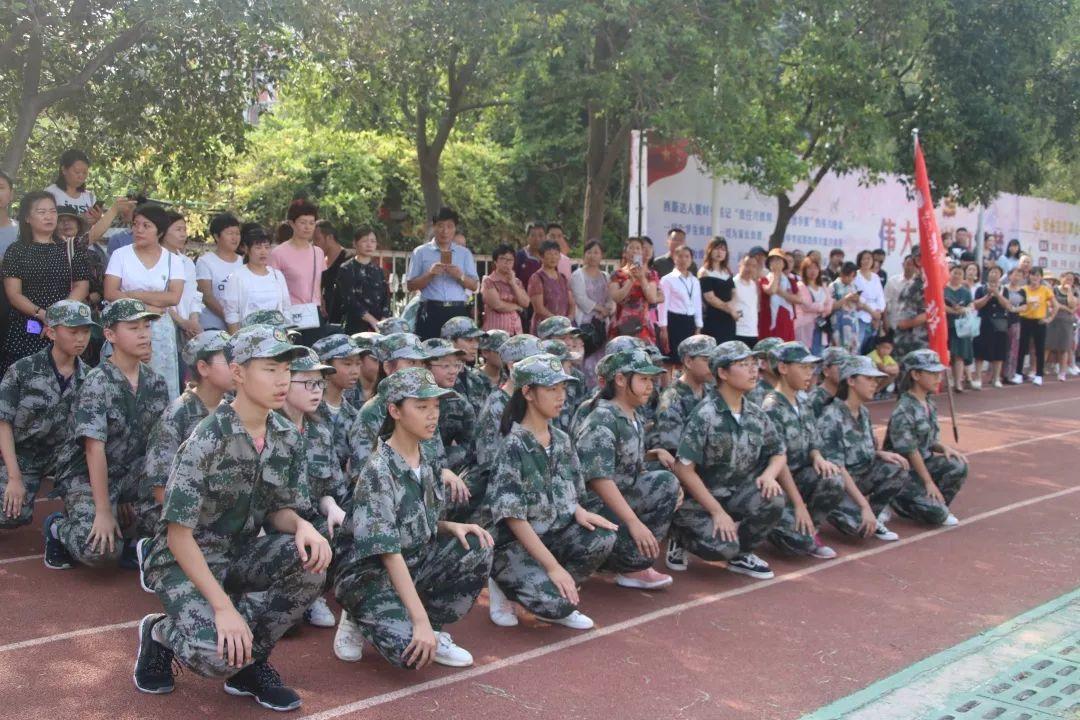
column 821, row 550
column 500, row 609
column 1017, row 379
column 885, row 534
column 1073, row 370
column 997, row 383
column 449, row 654
column 348, row 642
column 950, row 521
column 319, row 615
column 885, row 515
column 976, row 384
column 574, row 621
column 1037, row 380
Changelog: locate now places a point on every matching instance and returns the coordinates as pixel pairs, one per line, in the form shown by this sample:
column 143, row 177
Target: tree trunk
column 20, row 136
column 429, row 181
column 604, row 150
column 784, row 213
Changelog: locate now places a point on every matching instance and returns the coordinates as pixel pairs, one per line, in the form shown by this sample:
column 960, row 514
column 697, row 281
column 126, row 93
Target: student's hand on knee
column 234, row 637
column 643, row 537
column 723, row 526
column 564, row 583
column 934, row 493
column 894, row 458
column 462, row 531
column 768, row 486
column 103, row 533
column 665, row 458
column 14, row 496
column 335, row 516
column 867, row 521
column 803, row 522
column 459, row 491
column 314, row 550
column 954, row 454
column 824, row 468
column 421, row 651
column 591, row 521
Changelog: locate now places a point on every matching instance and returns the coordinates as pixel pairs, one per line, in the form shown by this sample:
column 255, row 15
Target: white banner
column 841, row 212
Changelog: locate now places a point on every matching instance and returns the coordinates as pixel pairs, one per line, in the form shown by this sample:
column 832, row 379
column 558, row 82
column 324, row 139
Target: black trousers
column 433, row 315
column 1032, row 330
column 679, row 328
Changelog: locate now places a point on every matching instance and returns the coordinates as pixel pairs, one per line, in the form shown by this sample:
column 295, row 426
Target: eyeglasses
column 311, row 385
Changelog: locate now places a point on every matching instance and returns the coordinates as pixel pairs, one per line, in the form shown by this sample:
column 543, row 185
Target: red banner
column 932, row 254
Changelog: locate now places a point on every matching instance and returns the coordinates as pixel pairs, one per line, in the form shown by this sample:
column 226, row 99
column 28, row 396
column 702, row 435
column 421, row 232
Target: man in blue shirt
column 442, row 285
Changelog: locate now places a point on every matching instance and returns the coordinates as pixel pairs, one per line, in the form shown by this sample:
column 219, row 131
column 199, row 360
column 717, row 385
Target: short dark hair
column 549, row 245
column 500, row 250
column 848, row 268
column 445, row 213
column 878, row 251
column 283, row 233
column 7, row 178
column 252, row 233
column 646, row 240
column 68, row 158
column 155, row 214
column 836, row 251
column 222, row 222
column 553, row 226
column 327, row 228
column 300, row 207
column 591, row 244
column 363, row 231
column 861, row 255
column 26, row 205
column 674, row 230
column 535, row 226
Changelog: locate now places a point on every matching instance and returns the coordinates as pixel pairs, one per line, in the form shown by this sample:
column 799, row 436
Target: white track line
column 69, row 635
column 5, row 561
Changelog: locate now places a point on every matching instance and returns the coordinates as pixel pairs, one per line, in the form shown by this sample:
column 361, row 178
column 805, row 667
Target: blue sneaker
column 56, row 555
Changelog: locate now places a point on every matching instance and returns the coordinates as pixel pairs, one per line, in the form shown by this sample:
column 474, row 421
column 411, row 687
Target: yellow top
column 1038, row 300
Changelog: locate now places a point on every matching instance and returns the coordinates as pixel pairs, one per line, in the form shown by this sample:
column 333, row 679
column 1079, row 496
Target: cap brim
column 647, row 370
column 737, row 358
column 808, row 360
column 555, row 379
column 427, row 393
column 443, row 352
column 409, row 354
column 278, row 350
column 932, row 368
column 81, row 322
column 868, row 373
column 137, row 316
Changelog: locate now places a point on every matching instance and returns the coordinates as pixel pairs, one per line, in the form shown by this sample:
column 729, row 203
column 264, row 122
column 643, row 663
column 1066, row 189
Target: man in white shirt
column 681, row 309
column 748, row 300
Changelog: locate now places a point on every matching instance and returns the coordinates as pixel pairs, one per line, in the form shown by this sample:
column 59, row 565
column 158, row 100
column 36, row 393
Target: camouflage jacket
column 457, row 428
column 488, row 439
column 341, row 420
column 844, row 439
column 760, row 392
column 611, row 445
column 37, row 409
column 575, row 394
column 364, row 434
column 174, row 427
column 474, row 386
column 818, row 399
column 797, row 424
column 325, row 477
column 912, row 303
column 677, row 401
column 913, row 427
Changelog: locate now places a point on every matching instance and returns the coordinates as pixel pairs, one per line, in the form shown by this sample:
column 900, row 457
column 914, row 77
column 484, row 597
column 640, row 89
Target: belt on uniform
column 446, row 303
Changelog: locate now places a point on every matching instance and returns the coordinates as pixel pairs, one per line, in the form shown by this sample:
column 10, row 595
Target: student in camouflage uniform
column 911, row 332
column 832, row 359
column 611, row 447
column 730, row 457
column 813, row 485
column 560, row 350
column 230, row 592
column 767, row 377
column 614, row 346
column 393, row 326
column 561, row 328
column 680, row 398
column 98, row 471
column 546, row 542
column 204, row 354
column 402, row 573
column 273, row 318
column 937, row 470
column 470, row 383
column 36, row 396
column 341, row 353
column 492, row 368
column 368, row 345
column 847, row 439
column 326, row 480
column 457, row 420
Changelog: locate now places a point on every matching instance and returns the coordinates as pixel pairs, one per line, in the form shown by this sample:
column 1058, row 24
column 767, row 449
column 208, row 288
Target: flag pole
column 952, row 407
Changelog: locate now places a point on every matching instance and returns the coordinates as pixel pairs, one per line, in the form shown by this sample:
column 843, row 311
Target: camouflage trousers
column 448, row 578
column 74, row 528
column 476, row 479
column 31, row 478
column 580, row 551
column 822, row 495
column 879, row 483
column 268, row 585
column 656, row 492
column 147, row 514
column 913, row 502
column 755, row 514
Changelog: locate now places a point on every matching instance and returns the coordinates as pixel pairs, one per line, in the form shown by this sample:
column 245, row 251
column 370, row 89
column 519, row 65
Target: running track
column 715, row 645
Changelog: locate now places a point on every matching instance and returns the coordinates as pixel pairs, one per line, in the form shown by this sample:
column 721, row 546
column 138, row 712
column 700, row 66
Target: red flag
column 932, row 254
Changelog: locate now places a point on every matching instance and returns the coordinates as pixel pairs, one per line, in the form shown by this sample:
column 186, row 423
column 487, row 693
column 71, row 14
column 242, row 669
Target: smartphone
column 637, row 260
column 446, row 257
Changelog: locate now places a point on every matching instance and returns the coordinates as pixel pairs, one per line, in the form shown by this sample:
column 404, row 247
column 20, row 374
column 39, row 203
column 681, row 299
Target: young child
column 470, row 383
column 546, row 542
column 229, row 591
column 832, row 359
column 611, row 448
column 937, row 470
column 347, row 359
column 457, row 420
column 36, row 396
column 767, row 377
column 882, row 357
column 730, row 457
column 401, row 572
column 680, row 398
column 98, row 472
column 489, row 352
column 204, row 355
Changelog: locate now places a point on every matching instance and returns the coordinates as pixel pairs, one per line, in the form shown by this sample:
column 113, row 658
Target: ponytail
column 514, row 412
column 842, row 390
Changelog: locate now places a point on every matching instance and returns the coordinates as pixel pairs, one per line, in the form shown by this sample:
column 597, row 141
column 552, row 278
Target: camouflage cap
column 460, row 327
column 309, row 362
column 555, row 347
column 493, row 339
column 519, row 347
column 834, row 356
column 410, row 383
column 367, row 342
column 392, row 325
column 440, row 347
column 333, row 347
column 204, row 345
column 274, row 318
column 793, row 352
column 126, row 310
column 655, row 353
column 543, row 369
column 859, row 365
column 261, row 341
column 605, row 367
column 925, row 359
column 636, row 362
column 697, row 346
column 729, row 352
column 767, row 345
column 69, row 313
column 401, row 346
column 623, row 342
column 556, row 326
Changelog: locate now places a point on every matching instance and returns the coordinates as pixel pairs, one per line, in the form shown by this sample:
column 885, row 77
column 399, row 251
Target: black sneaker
column 750, row 564
column 261, row 681
column 56, row 555
column 141, row 548
column 154, row 671
column 676, row 555
column 129, row 558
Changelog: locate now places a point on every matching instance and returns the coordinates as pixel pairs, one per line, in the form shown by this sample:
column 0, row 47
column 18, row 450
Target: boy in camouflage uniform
column 813, row 485
column 470, row 383
column 611, row 448
column 393, row 326
column 98, row 471
column 457, row 420
column 204, row 354
column 767, row 378
column 937, row 470
column 368, row 345
column 832, row 359
column 680, row 398
column 847, row 439
column 535, row 496
column 229, row 593
column 492, row 368
column 36, row 396
column 729, row 459
column 336, row 410
column 402, row 573
column 561, row 328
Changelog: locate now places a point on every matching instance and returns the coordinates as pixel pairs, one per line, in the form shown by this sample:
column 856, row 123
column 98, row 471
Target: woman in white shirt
column 679, row 315
column 186, row 313
column 255, row 285
column 69, row 188
column 871, row 296
column 747, row 300
column 212, row 269
column 592, row 303
column 148, row 272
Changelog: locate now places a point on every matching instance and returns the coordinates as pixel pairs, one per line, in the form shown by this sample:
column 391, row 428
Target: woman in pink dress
column 815, row 309
column 634, row 287
column 504, row 295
